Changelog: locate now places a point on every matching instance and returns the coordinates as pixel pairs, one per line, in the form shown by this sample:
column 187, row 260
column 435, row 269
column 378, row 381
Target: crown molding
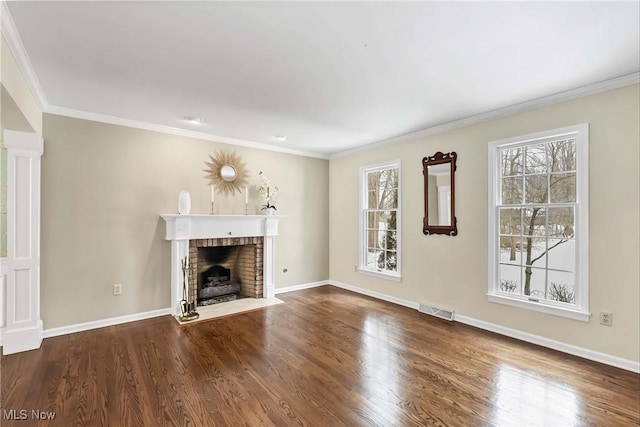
column 12, row 37
column 568, row 95
column 103, row 118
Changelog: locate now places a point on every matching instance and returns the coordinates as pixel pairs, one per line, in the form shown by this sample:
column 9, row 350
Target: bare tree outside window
column 537, row 220
column 381, row 211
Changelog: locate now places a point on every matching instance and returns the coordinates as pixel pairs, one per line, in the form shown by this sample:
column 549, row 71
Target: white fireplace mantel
column 182, row 228
column 188, row 227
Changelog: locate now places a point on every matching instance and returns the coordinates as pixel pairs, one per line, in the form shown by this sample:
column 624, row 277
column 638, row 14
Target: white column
column 179, row 250
column 268, row 257
column 269, row 289
column 3, row 286
column 22, row 330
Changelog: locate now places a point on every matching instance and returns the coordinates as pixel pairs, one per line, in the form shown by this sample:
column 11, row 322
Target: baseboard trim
column 585, row 353
column 378, row 295
column 22, row 339
column 79, row 327
column 70, row 329
column 574, row 350
column 63, row 330
column 301, row 287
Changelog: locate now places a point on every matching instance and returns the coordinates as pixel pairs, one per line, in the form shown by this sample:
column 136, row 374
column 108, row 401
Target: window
column 538, row 225
column 380, row 220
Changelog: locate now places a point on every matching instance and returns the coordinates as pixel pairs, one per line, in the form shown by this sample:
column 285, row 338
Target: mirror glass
column 439, row 194
column 228, row 173
column 439, row 203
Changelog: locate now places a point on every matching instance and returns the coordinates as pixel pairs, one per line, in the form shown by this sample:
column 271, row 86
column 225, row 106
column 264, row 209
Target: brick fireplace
column 255, row 233
column 244, row 260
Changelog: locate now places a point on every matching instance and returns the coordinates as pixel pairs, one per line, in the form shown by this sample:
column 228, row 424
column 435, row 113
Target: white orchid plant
column 268, row 192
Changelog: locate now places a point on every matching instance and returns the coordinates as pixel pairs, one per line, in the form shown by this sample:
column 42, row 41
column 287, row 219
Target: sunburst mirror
column 226, row 172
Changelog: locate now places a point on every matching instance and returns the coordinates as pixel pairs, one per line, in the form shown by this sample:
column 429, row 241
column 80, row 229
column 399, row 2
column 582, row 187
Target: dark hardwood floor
column 327, row 357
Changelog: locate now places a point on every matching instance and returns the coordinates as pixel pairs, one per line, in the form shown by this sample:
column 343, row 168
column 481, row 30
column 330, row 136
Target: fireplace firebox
column 226, row 269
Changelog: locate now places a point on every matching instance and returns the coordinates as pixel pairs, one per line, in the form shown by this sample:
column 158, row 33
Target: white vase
column 270, row 211
column 184, row 203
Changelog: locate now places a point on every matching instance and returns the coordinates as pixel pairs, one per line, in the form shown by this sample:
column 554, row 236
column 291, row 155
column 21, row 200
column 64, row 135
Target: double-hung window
column 380, row 220
column 538, row 222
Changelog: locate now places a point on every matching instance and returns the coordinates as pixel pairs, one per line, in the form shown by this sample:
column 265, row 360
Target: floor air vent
column 437, row 312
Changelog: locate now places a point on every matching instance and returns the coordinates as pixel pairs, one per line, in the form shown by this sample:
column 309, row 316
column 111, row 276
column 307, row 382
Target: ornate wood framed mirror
column 439, row 194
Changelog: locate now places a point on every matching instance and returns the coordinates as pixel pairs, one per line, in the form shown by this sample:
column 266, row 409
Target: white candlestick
column 212, row 194
column 246, row 194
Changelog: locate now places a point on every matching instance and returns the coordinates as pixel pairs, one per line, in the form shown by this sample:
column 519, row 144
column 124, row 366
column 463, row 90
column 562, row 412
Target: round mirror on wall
column 228, row 173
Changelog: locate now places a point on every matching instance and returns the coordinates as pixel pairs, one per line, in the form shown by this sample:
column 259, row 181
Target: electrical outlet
column 117, row 289
column 606, row 318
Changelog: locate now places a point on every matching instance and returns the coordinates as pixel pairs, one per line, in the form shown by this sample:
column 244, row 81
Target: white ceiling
column 329, row 76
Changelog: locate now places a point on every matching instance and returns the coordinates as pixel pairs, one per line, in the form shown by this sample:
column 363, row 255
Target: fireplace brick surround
column 187, row 232
column 250, row 270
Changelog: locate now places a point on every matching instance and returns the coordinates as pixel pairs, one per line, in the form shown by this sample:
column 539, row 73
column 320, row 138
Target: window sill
column 547, row 309
column 380, row 274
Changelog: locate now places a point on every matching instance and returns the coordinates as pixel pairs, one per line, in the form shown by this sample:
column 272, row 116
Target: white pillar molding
column 22, row 328
column 179, row 251
column 269, row 267
column 3, row 287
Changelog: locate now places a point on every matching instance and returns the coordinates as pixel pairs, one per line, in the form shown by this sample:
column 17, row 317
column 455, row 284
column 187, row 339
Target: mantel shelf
column 188, row 227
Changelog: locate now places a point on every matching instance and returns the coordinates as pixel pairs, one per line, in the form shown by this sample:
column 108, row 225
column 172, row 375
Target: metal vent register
column 437, row 312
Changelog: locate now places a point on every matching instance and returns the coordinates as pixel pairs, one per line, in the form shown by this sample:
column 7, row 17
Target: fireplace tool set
column 187, row 309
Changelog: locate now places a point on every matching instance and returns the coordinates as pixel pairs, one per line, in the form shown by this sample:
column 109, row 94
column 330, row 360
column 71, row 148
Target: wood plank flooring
column 327, row 357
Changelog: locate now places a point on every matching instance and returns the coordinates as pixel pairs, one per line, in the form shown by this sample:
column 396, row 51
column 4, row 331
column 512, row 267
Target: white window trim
column 581, row 312
column 394, row 276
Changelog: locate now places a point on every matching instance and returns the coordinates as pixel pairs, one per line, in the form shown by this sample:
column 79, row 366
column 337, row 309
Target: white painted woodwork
column 3, row 287
column 580, row 311
column 182, row 228
column 363, row 206
column 22, row 326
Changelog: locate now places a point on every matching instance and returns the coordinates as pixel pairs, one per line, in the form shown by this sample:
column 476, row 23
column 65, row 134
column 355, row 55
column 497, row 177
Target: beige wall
column 452, row 271
column 103, row 187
